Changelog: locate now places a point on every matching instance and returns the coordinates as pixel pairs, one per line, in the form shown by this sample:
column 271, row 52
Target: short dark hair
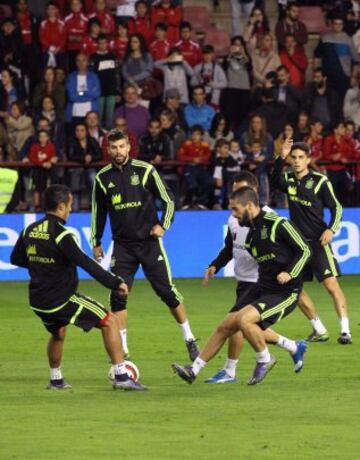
column 196, row 87
column 185, row 25
column 245, row 195
column 303, row 146
column 102, row 37
column 161, row 26
column 115, row 135
column 55, row 195
column 197, row 128
column 247, row 176
column 320, row 70
column 208, row 49
column 221, row 142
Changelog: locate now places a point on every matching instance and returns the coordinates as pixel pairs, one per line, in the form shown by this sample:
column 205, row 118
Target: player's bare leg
column 179, row 313
column 333, row 287
column 122, row 322
column 306, row 305
column 55, row 349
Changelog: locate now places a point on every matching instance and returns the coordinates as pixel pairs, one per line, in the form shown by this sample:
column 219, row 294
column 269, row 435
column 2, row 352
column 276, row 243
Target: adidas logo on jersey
column 111, row 185
column 160, row 258
column 40, row 232
column 327, row 272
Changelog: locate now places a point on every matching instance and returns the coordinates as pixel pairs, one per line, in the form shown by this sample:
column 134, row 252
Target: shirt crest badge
column 264, row 233
column 309, row 184
column 134, row 180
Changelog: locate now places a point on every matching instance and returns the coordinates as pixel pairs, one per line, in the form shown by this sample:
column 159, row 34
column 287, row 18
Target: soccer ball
column 131, row 369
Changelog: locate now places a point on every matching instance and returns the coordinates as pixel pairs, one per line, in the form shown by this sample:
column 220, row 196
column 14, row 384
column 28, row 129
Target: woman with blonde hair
column 265, row 59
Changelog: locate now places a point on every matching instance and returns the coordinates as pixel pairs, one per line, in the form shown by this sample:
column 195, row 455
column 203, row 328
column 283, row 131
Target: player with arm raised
column 309, row 192
column 51, row 254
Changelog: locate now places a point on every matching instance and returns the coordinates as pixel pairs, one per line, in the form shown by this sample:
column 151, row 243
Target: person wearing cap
column 172, row 103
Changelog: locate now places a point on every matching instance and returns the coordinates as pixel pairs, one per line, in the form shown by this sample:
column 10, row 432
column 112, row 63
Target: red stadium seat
column 198, row 16
column 314, row 19
column 219, row 39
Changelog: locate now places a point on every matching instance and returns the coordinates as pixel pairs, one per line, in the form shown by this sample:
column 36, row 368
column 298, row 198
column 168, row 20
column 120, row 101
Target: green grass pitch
column 315, row 414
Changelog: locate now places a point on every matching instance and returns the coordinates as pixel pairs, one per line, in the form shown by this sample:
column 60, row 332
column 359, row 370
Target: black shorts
column 322, row 263
column 241, row 288
column 79, row 310
column 272, row 305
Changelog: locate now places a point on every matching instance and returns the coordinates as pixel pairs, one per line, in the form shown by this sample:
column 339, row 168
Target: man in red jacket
column 141, row 23
column 189, row 49
column 106, row 20
column 196, row 153
column 76, row 24
column 294, row 58
column 171, row 15
column 52, row 35
column 339, row 149
column 160, row 47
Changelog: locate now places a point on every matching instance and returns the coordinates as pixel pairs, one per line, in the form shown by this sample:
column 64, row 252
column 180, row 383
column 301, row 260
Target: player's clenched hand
column 157, row 231
column 98, row 253
column 326, row 237
column 210, row 273
column 285, row 150
column 283, row 278
column 123, row 290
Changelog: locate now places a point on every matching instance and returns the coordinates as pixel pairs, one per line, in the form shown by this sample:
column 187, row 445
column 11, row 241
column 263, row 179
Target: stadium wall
column 192, row 242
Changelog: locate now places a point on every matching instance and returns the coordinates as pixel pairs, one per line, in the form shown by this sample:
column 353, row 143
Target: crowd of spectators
column 72, row 70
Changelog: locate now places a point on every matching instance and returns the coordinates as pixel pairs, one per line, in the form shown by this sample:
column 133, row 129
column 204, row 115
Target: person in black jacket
column 127, row 190
column 51, row 253
column 83, row 149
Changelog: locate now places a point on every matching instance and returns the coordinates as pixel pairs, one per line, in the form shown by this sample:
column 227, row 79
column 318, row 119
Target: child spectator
column 42, row 155
column 160, row 47
column 226, row 167
column 258, row 158
column 176, row 70
column 89, row 45
column 189, row 49
column 105, row 18
column 104, row 64
column 211, row 75
column 76, row 25
column 235, row 151
column 164, row 11
column 120, row 43
column 52, row 36
column 196, row 153
column 141, row 23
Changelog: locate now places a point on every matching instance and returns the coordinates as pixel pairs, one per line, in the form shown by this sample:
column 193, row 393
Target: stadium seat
column 219, row 39
column 314, row 19
column 198, row 16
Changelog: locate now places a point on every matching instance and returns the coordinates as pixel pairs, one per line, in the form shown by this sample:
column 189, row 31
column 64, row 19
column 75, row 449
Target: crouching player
column 281, row 254
column 51, row 254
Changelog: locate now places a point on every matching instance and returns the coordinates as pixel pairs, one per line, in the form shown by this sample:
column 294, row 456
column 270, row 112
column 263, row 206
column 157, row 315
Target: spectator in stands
column 138, row 65
column 293, row 57
column 211, row 75
column 352, row 104
column 83, row 149
column 83, row 91
column 56, row 123
column 235, row 98
column 94, row 129
column 287, row 94
column 220, row 129
column 196, row 153
column 136, row 115
column 7, row 153
column 29, row 48
column 154, row 145
column 41, row 125
column 275, row 113
column 337, row 52
column 302, row 128
column 120, row 43
column 125, row 11
column 315, row 141
column 11, row 46
column 290, row 24
column 170, row 126
column 264, row 59
column 42, row 155
column 9, row 92
column 141, row 23
column 339, row 150
column 164, row 11
column 52, row 36
column 240, row 10
column 89, row 44
column 256, row 28
column 60, row 76
column 235, row 151
column 120, row 123
column 322, row 102
column 176, row 70
column 257, row 145
column 76, row 26
column 351, row 9
column 190, row 49
column 104, row 64
column 226, row 167
column 19, row 126
column 105, row 18
column 173, row 103
column 288, row 132
column 49, row 87
column 160, row 47
column 199, row 112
